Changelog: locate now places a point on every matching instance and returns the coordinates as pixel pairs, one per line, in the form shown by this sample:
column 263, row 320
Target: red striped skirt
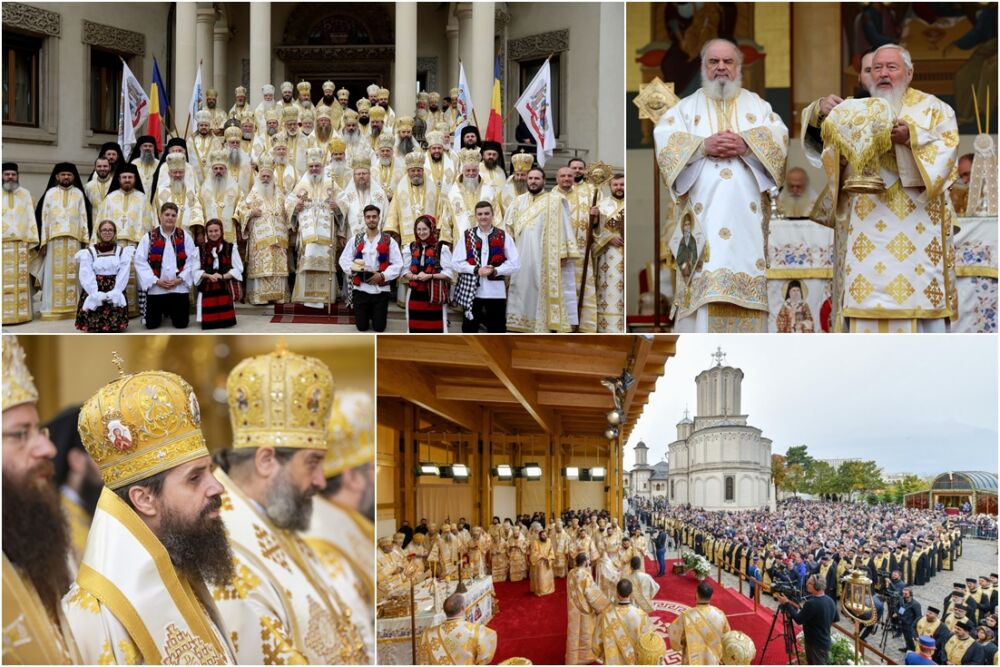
column 217, row 309
column 422, row 316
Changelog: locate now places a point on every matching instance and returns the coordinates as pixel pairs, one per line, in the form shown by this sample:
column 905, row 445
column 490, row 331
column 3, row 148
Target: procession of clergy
column 290, row 182
column 609, row 594
column 889, row 158
column 267, row 559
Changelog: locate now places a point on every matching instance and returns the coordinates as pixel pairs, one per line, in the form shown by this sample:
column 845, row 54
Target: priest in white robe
column 310, row 207
column 20, row 243
column 542, row 295
column 720, row 150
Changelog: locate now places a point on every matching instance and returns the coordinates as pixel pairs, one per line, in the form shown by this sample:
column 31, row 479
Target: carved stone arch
column 332, row 24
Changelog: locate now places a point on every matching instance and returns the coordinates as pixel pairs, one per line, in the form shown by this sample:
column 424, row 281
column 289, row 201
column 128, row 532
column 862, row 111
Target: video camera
column 786, row 588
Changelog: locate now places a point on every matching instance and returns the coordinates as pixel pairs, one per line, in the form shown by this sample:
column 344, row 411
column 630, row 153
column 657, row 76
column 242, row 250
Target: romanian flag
column 494, row 128
column 158, row 106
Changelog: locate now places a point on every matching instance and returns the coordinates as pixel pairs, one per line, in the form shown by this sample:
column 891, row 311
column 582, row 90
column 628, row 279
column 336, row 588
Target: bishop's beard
column 35, row 535
column 894, row 96
column 316, row 179
column 147, row 158
column 10, row 186
column 376, row 131
column 406, row 145
column 286, row 506
column 177, row 187
column 470, row 185
column 266, row 190
column 722, row 89
column 199, row 547
column 324, row 133
column 235, row 156
column 520, row 187
column 217, row 183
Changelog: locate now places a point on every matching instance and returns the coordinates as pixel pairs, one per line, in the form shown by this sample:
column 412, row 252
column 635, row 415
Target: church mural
column 953, row 45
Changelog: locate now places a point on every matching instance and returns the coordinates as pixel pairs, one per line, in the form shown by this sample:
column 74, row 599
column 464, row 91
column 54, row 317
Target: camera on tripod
column 787, row 589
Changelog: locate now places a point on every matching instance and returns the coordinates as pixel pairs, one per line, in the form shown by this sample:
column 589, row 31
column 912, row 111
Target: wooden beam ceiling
column 496, row 352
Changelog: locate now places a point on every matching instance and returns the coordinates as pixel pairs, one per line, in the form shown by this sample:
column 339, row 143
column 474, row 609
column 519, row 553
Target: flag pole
column 187, row 125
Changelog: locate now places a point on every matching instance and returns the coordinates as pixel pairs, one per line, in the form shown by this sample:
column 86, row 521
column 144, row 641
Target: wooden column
column 485, row 463
column 407, row 484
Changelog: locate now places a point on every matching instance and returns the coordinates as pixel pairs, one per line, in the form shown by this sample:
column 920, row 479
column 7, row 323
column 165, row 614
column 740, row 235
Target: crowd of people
column 808, row 546
column 296, row 201
column 125, row 542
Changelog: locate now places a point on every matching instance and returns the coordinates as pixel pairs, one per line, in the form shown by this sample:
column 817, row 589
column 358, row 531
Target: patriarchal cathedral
column 718, row 461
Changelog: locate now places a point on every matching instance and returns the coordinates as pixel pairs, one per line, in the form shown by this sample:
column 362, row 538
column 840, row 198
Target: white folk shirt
column 488, row 289
column 168, row 267
column 370, row 256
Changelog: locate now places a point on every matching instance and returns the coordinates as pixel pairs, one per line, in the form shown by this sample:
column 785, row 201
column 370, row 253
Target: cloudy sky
column 921, row 404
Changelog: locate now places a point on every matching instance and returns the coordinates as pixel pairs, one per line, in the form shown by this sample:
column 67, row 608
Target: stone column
column 203, row 36
column 185, row 61
column 451, row 69
column 480, row 72
column 463, row 16
column 260, row 50
column 404, row 84
column 219, row 81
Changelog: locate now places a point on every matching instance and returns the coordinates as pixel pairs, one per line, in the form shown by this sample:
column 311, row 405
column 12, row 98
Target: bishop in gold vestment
column 542, row 557
column 262, row 220
column 20, row 243
column 619, row 629
column 456, row 641
column 584, row 601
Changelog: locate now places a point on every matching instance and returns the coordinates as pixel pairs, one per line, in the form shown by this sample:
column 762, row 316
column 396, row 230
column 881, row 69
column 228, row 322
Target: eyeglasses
column 26, row 434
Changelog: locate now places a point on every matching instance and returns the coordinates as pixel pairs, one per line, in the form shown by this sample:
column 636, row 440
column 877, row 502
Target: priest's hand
column 826, row 105
column 900, row 134
column 594, row 211
column 617, row 241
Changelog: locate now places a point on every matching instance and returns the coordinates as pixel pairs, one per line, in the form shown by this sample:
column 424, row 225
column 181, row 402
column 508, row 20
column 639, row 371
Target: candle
column 975, row 105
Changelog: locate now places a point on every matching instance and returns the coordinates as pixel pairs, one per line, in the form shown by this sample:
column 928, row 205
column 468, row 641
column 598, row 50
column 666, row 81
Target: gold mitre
column 328, row 86
column 377, row 113
column 212, row 92
column 454, row 92
column 652, row 648
column 18, row 385
column 279, row 139
column 404, row 123
column 434, row 96
column 469, row 156
column 363, row 105
column 315, row 156
column 422, row 96
column 287, row 87
column 176, row 161
column 272, row 114
column 522, row 162
column 203, row 116
column 414, row 158
column 289, row 112
column 218, row 157
column 443, row 128
column 140, row 425
column 304, row 87
column 385, row 140
column 383, row 92
column 434, row 138
column 349, row 432
column 233, row 132
column 337, row 145
column 343, row 94
column 241, row 90
column 307, row 114
column 323, row 112
column 280, row 399
column 360, row 162
column 861, row 130
column 265, row 163
column 350, row 116
column 737, row 648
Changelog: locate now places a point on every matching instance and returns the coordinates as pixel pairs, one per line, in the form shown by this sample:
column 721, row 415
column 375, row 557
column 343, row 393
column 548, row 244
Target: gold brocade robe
column 64, row 229
column 146, row 173
column 444, row 556
column 697, row 635
column 267, row 246
column 584, row 602
column 221, row 205
column 20, row 244
column 281, row 605
column 644, row 589
column 560, row 544
column 129, row 605
column 388, row 176
column 391, row 573
column 407, row 205
column 352, row 202
column 542, row 294
column 97, row 190
column 517, row 557
column 190, row 213
column 460, row 210
column 498, row 555
column 315, row 239
column 132, row 214
column 442, row 172
column 609, row 267
column 477, row 550
column 78, row 521
column 580, row 198
column 457, row 642
column 494, row 177
column 199, row 148
column 898, row 266
column 541, row 557
column 617, row 634
column 30, row 636
column 341, row 535
column 955, row 648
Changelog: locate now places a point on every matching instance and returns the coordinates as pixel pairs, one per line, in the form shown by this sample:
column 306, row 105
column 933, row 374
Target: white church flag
column 134, row 109
column 464, row 106
column 535, row 108
column 196, row 93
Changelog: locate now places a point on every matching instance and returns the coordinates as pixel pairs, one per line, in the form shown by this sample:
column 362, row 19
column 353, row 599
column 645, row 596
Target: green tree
column 799, row 455
column 824, row 479
column 795, row 478
column 778, row 473
column 859, row 476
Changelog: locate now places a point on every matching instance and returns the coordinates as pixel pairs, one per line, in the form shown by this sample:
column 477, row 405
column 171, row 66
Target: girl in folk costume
column 218, row 279
column 429, row 276
column 104, row 272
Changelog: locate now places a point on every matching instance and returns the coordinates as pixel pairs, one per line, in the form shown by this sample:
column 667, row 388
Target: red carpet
column 535, row 627
column 297, row 313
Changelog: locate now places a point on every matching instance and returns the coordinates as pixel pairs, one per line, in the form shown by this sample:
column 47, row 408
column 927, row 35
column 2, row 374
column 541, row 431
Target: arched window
column 730, row 488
